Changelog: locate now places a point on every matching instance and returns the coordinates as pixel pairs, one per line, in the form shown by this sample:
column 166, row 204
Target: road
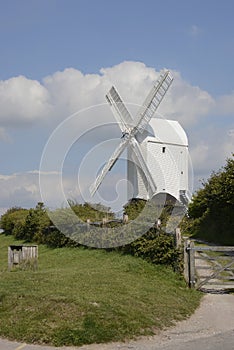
column 210, row 328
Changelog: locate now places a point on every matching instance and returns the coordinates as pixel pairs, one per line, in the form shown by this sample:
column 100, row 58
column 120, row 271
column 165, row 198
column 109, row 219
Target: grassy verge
column 81, row 296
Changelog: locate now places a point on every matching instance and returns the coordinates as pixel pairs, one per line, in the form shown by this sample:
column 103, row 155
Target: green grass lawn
column 81, row 296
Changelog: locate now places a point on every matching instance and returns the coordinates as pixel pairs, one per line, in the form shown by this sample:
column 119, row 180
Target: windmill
column 135, row 137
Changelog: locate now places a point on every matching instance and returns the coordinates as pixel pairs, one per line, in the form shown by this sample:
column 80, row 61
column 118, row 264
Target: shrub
column 156, row 247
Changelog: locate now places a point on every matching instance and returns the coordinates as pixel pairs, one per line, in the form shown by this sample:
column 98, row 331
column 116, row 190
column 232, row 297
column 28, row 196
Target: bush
column 156, row 247
column 34, row 225
column 53, row 238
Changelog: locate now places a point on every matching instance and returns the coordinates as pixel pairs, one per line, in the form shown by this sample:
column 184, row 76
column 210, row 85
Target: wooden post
column 178, row 237
column 125, row 218
column 186, row 260
column 104, row 221
column 88, row 224
column 191, row 252
column 158, row 224
column 10, row 258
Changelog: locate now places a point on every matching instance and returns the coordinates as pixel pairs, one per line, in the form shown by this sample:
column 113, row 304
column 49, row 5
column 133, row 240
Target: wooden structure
column 23, row 256
column 209, row 268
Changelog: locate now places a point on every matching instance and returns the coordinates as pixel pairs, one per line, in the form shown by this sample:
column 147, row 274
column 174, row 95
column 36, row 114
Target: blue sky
column 194, row 37
column 53, row 51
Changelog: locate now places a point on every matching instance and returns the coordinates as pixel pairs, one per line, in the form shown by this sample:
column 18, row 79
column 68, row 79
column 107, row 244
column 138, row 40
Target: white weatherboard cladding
column 165, row 147
column 170, row 159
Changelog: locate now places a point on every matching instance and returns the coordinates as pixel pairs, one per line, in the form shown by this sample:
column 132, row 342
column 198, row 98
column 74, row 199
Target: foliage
column 36, row 221
column 134, row 207
column 93, row 212
column 12, row 221
column 156, row 247
column 80, row 296
column 26, row 224
column 212, row 207
column 35, row 226
column 53, row 238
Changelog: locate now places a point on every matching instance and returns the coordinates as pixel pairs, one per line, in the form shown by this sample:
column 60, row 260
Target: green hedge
column 34, row 225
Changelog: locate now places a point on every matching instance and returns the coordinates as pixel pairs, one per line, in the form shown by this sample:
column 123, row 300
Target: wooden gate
column 209, row 268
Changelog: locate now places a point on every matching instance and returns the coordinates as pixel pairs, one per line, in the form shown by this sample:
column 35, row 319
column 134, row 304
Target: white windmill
column 157, row 148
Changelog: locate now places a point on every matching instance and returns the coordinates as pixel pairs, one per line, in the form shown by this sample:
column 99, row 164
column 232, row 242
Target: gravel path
column 212, row 323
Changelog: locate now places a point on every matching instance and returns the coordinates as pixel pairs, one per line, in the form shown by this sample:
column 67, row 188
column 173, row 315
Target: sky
column 58, row 60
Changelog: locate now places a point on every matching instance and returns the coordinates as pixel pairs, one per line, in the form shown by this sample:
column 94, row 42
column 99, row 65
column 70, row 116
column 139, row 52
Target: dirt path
column 212, row 320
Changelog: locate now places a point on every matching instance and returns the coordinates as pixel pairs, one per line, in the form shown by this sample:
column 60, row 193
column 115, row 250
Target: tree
column 13, row 220
column 211, row 211
column 36, row 221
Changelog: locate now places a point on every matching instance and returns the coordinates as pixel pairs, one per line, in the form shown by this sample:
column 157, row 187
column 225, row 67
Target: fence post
column 186, row 260
column 104, row 221
column 189, row 263
column 191, row 254
column 10, row 258
column 125, row 218
column 178, row 238
column 88, row 224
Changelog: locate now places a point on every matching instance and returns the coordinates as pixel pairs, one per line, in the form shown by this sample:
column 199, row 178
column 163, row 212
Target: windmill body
column 165, row 147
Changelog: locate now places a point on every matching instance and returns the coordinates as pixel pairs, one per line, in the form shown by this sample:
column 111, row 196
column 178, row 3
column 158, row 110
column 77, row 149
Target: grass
column 82, row 296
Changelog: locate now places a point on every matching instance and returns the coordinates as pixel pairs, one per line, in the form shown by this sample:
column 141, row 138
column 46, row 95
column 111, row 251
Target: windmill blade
column 119, row 110
column 108, row 166
column 153, row 100
column 140, row 158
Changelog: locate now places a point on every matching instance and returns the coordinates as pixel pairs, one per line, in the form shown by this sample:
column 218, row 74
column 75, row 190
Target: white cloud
column 22, row 101
column 71, row 91
column 25, row 101
column 22, row 189
column 18, row 189
column 228, row 145
column 59, row 95
column 200, row 155
column 210, row 147
column 186, row 103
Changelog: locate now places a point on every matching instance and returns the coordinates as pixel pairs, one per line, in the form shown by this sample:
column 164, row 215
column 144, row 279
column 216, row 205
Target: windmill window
column 163, row 149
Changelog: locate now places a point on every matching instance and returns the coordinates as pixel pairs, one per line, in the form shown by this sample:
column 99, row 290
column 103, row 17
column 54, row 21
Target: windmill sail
column 93, row 188
column 153, row 100
column 120, row 111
